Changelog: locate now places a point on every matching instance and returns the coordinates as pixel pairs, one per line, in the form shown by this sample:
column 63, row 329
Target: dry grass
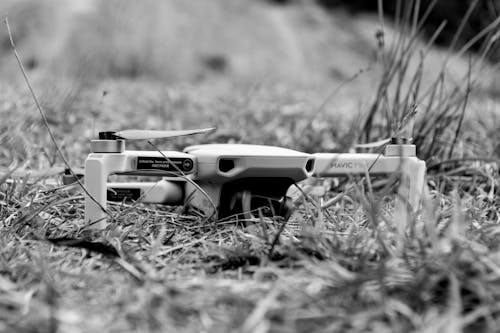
column 346, row 268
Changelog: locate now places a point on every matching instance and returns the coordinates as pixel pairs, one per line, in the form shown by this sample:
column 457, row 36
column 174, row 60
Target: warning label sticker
column 161, row 163
column 123, row 194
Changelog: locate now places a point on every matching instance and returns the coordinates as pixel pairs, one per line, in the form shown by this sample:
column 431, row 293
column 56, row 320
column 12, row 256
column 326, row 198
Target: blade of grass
column 44, row 118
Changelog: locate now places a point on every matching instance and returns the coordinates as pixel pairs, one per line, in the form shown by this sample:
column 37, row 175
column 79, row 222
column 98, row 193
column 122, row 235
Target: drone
column 224, row 180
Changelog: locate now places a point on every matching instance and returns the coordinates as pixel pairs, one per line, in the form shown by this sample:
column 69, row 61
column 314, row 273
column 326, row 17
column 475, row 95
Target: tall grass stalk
column 441, row 104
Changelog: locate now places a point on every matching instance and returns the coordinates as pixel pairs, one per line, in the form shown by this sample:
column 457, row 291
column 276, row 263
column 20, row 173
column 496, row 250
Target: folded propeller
column 134, row 134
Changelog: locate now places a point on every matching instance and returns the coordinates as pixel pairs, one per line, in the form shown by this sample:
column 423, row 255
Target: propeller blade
column 375, row 144
column 153, row 134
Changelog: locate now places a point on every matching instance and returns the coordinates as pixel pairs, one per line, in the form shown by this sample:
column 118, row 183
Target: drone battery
column 162, row 192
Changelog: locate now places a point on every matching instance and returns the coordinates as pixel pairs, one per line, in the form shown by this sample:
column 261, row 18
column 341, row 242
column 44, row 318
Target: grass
column 348, row 267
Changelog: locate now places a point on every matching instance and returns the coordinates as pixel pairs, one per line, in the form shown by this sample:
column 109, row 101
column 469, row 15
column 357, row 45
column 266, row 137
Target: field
column 293, row 76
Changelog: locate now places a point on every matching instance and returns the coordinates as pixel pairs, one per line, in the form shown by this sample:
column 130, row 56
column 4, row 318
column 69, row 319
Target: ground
column 291, row 76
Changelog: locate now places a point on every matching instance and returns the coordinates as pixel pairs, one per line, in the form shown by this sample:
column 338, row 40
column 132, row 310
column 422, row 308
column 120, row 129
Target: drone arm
column 96, row 176
column 412, row 170
column 336, row 165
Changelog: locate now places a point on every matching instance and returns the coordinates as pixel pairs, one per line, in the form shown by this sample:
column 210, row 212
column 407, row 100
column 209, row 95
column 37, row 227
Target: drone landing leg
column 96, row 175
column 414, row 174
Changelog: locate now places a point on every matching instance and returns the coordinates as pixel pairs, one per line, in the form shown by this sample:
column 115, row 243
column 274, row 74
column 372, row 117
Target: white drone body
column 206, row 178
column 222, row 180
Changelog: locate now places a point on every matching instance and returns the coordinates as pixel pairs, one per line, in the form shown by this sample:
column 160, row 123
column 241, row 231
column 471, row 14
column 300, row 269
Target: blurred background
column 175, row 40
column 246, row 66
